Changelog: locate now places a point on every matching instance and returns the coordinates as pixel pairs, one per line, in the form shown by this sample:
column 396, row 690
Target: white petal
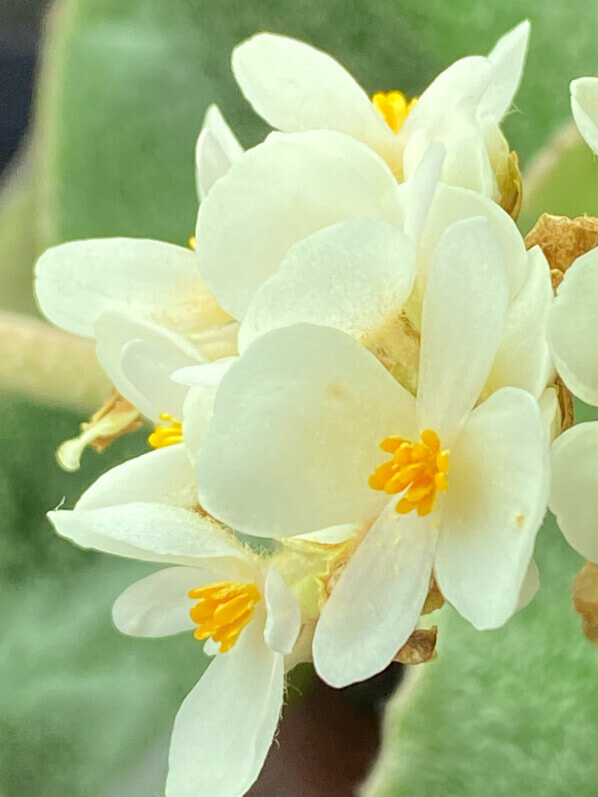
column 216, row 150
column 148, row 390
column 550, row 412
column 265, row 204
column 227, row 722
column 465, row 79
column 283, row 619
column 452, row 204
column 204, row 374
column 530, row 586
column 296, row 87
column 462, row 323
column 467, row 163
column 163, row 476
column 508, row 59
column 158, row 605
column 147, row 531
column 523, row 358
column 295, row 434
column 376, row 603
column 584, row 105
column 422, row 188
column 574, row 492
column 78, row 282
column 354, row 276
column 495, row 503
column 573, row 327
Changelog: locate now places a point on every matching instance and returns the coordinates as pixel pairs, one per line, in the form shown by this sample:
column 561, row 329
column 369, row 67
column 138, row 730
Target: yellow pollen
column 419, row 470
column 223, row 610
column 192, row 242
column 394, row 107
column 168, row 434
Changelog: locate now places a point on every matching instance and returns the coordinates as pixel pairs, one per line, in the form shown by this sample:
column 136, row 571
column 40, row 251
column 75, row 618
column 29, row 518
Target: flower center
column 394, row 107
column 167, row 434
column 223, row 610
column 418, row 468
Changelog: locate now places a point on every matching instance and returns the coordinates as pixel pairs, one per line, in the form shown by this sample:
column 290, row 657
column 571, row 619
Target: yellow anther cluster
column 394, row 107
column 418, row 468
column 223, row 610
column 168, row 434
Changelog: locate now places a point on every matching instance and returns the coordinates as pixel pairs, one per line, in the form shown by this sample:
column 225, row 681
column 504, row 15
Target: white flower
column 295, row 87
column 294, row 446
column 573, row 329
column 584, row 105
column 312, row 227
column 214, row 587
column 143, row 301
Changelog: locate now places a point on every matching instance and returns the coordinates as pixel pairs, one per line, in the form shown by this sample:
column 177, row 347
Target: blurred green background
column 121, row 89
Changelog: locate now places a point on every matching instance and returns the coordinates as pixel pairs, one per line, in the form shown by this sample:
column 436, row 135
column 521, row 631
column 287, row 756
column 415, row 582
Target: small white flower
column 214, row 587
column 295, row 87
column 584, row 106
column 143, row 301
column 573, row 329
column 294, row 446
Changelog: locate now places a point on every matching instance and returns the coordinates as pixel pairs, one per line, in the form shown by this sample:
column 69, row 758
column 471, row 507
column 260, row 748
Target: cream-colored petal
column 463, row 319
column 216, row 150
column 574, row 491
column 573, row 327
column 421, row 189
column 507, row 59
column 78, row 282
column 283, row 619
column 494, row 506
column 530, row 586
column 296, row 87
column 354, row 276
column 295, row 434
column 158, row 605
column 226, row 724
column 584, row 106
column 523, row 358
column 164, row 476
column 377, row 601
column 265, row 204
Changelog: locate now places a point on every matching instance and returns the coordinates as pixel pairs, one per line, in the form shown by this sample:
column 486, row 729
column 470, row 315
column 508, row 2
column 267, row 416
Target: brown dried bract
column 585, row 600
column 434, row 599
column 563, row 240
column 420, row 647
column 512, row 190
column 565, row 399
column 125, row 416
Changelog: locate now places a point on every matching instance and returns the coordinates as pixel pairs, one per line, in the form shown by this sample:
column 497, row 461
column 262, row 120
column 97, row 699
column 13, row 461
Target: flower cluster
column 358, row 359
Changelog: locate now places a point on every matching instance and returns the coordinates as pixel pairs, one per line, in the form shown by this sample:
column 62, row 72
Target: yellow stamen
column 416, row 469
column 168, row 434
column 192, row 242
column 223, row 610
column 394, row 107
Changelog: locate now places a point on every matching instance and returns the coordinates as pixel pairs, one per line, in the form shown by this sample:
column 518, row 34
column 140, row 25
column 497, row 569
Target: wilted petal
column 495, row 503
column 463, row 320
column 574, row 491
column 354, row 276
column 227, row 722
column 295, row 433
column 376, row 603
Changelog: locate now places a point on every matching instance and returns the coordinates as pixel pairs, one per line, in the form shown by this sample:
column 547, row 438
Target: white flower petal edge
column 296, row 425
column 216, row 150
column 376, row 604
column 507, row 59
column 354, row 276
column 283, row 620
column 251, row 218
column 499, row 482
column 584, row 106
column 226, row 724
column 573, row 327
column 574, row 494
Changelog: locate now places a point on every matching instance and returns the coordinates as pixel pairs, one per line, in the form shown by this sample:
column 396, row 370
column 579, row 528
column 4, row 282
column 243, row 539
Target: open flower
column 573, row 329
column 357, row 258
column 294, row 446
column 213, row 587
column 295, row 87
column 143, row 301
